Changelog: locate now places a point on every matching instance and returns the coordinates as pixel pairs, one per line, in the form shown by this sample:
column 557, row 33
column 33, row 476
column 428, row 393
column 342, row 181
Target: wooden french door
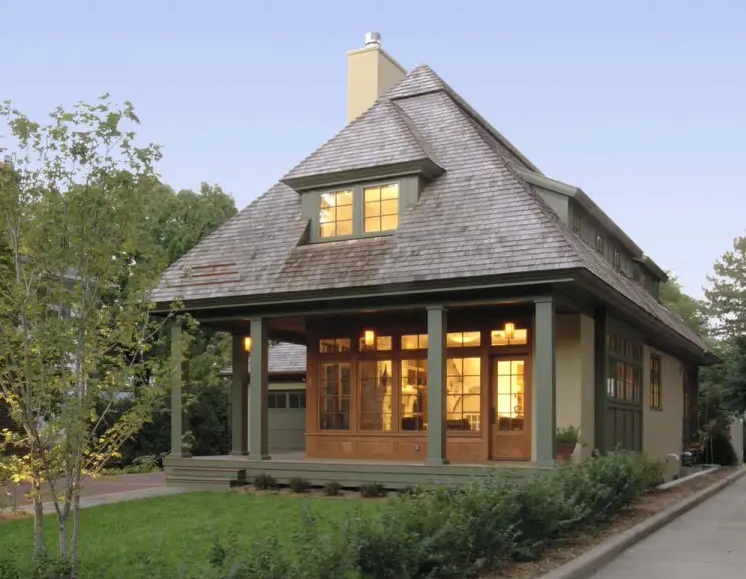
column 510, row 408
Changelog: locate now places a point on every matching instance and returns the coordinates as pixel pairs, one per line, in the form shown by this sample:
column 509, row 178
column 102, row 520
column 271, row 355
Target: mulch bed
column 647, row 506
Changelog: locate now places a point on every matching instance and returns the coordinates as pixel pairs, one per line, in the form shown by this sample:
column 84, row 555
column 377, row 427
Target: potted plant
column 566, row 440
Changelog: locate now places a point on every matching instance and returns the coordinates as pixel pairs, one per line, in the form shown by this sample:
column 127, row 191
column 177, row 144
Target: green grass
column 118, row 539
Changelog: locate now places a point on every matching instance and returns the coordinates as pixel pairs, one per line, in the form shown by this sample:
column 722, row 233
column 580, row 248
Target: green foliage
column 691, row 310
column 332, row 489
column 265, row 481
column 726, row 297
column 567, row 435
column 372, row 490
column 298, row 484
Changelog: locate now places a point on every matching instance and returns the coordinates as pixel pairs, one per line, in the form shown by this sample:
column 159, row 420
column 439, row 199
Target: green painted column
column 239, row 398
column 178, row 417
column 600, row 324
column 259, row 378
column 544, row 384
column 436, row 386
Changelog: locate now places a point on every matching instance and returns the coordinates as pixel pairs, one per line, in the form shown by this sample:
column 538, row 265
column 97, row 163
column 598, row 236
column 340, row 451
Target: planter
column 564, row 451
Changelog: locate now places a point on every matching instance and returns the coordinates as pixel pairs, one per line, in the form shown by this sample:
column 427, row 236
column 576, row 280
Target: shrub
column 719, row 449
column 332, row 489
column 371, row 490
column 265, row 481
column 567, row 435
column 298, row 484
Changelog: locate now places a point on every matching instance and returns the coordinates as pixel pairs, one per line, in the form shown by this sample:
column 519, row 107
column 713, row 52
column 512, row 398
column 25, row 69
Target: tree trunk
column 76, row 532
column 38, row 522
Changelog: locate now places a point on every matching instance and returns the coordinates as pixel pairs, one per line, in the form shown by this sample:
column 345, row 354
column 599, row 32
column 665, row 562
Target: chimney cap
column 372, row 39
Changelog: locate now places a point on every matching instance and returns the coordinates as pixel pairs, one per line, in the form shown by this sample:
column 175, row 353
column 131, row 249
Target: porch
column 220, row 472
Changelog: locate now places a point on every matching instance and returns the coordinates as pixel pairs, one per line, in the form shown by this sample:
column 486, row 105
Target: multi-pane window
column 624, row 369
column 655, row 382
column 334, row 396
column 463, row 339
column 279, row 400
column 376, row 382
column 334, row 345
column 463, row 399
column 577, row 223
column 414, row 394
column 511, row 389
column 381, row 209
column 509, row 336
column 414, row 342
column 379, row 343
column 335, row 214
column 617, row 259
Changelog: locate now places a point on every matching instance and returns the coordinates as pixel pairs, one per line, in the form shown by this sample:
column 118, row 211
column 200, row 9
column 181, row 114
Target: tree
column 688, row 308
column 726, row 298
column 75, row 327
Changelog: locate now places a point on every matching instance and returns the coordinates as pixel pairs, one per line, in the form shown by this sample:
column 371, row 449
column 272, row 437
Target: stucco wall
column 662, row 429
column 574, row 364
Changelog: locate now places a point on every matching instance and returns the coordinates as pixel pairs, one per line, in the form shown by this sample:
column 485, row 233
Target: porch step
column 197, row 477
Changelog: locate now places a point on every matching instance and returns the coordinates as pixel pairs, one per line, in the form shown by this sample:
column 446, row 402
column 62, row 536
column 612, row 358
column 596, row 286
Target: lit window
column 463, row 339
column 463, row 400
column 414, row 342
column 335, row 214
column 334, row 396
column 414, row 395
column 511, row 390
column 380, row 343
column 509, row 336
column 334, row 345
column 381, row 208
column 375, row 395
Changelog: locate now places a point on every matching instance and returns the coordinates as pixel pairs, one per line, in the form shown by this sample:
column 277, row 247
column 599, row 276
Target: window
column 655, row 382
column 617, row 259
column 414, row 394
column 463, row 339
column 463, row 398
column 380, row 343
column 624, row 377
column 381, row 210
column 297, row 400
column 599, row 243
column 509, row 336
column 576, row 223
column 375, row 395
column 334, row 345
column 335, row 214
column 414, row 342
column 277, row 400
column 334, row 396
column 510, row 395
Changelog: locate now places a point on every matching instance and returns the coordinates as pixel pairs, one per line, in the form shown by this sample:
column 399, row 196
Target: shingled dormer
column 360, row 181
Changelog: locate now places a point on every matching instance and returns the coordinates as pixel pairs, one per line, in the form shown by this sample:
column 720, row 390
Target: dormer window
column 335, row 214
column 365, row 210
column 381, row 208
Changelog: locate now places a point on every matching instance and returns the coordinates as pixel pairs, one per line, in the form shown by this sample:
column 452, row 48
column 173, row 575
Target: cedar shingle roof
column 479, row 218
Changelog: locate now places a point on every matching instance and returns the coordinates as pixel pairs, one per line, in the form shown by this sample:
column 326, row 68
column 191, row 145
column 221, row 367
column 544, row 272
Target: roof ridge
column 427, row 150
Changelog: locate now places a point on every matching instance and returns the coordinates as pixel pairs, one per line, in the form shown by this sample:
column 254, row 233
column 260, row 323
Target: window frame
column 656, row 382
column 358, row 209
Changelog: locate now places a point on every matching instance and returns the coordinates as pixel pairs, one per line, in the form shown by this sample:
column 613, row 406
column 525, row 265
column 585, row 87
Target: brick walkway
column 100, row 490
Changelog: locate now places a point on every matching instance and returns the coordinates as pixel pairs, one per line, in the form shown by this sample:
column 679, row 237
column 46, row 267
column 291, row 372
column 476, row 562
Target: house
column 457, row 304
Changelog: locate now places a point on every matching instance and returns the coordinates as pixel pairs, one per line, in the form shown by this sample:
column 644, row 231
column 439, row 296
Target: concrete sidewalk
column 708, row 541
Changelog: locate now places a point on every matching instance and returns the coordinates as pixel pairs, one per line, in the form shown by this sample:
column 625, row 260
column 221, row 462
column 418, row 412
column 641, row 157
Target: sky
column 642, row 104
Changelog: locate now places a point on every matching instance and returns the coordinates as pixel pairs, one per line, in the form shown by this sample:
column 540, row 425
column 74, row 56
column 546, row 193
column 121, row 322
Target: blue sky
column 640, row 103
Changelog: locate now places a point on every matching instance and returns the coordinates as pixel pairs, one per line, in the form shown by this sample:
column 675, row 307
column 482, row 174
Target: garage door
column 286, row 420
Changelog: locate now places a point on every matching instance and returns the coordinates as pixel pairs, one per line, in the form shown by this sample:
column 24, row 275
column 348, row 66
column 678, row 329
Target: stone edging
column 676, row 482
column 591, row 561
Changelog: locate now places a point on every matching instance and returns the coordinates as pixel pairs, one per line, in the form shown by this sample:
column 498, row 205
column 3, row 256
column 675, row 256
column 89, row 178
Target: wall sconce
column 369, row 338
column 509, row 330
column 247, row 344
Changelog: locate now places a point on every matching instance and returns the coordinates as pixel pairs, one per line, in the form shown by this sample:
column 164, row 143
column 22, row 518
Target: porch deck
column 220, row 472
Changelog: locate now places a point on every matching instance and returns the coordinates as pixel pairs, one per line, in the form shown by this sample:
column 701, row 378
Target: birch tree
column 75, row 323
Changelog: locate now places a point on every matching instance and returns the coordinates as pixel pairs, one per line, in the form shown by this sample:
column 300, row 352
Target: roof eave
column 425, row 167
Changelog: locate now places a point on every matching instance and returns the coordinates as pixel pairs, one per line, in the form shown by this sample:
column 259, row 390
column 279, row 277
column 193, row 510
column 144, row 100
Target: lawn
column 119, row 540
